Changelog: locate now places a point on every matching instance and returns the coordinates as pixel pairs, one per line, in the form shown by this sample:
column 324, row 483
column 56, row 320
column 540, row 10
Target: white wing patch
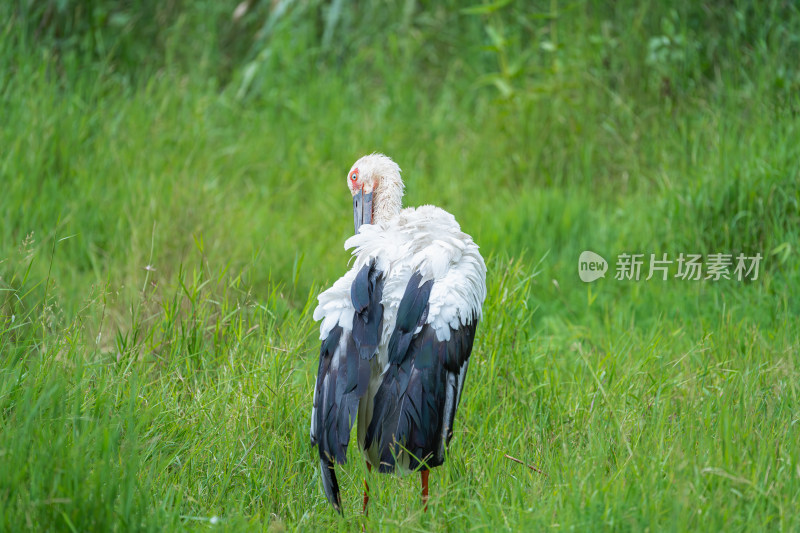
column 335, row 306
column 427, row 240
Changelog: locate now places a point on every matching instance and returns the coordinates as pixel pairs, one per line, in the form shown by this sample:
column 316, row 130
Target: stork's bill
column 362, row 208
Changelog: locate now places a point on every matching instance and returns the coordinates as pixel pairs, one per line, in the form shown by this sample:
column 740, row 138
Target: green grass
column 171, row 210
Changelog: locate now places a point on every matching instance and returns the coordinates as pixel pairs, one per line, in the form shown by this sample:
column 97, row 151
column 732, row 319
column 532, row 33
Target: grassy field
column 172, row 197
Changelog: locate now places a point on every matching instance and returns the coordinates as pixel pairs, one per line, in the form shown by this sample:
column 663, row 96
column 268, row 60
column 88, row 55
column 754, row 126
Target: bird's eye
column 354, row 175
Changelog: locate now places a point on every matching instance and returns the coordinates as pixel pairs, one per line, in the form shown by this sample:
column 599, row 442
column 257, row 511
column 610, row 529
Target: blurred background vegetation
column 191, row 119
column 164, row 110
column 172, row 191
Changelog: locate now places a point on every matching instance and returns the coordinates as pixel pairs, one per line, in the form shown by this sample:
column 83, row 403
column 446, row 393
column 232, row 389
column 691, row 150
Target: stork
column 397, row 332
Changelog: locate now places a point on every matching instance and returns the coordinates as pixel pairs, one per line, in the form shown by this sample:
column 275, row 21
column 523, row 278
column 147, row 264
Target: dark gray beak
column 362, row 209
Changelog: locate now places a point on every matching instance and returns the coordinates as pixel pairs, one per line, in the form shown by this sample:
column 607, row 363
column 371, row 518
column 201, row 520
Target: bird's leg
column 424, row 476
column 366, row 490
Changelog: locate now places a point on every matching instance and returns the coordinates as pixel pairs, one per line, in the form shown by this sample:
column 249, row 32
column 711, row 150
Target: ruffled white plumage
column 427, row 240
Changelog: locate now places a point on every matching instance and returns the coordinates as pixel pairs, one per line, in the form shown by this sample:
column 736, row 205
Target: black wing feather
column 411, row 410
column 343, row 378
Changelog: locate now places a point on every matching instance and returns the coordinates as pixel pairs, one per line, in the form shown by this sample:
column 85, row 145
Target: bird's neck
column 387, row 201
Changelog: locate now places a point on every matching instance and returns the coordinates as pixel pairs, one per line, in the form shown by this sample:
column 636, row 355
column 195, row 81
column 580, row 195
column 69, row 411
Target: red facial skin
column 354, row 180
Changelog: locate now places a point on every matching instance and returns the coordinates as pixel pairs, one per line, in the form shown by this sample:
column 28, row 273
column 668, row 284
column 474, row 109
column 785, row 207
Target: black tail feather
column 329, row 482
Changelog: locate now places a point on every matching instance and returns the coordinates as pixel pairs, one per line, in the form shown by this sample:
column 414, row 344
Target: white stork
column 397, row 332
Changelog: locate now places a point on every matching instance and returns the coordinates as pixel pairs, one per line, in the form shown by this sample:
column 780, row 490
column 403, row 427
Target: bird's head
column 374, row 181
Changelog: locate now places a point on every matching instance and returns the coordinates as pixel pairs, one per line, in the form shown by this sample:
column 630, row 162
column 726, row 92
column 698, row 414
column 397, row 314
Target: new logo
column 591, row 266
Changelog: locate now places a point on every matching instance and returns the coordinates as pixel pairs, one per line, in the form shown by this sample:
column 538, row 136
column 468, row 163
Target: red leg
column 366, row 490
column 424, row 475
